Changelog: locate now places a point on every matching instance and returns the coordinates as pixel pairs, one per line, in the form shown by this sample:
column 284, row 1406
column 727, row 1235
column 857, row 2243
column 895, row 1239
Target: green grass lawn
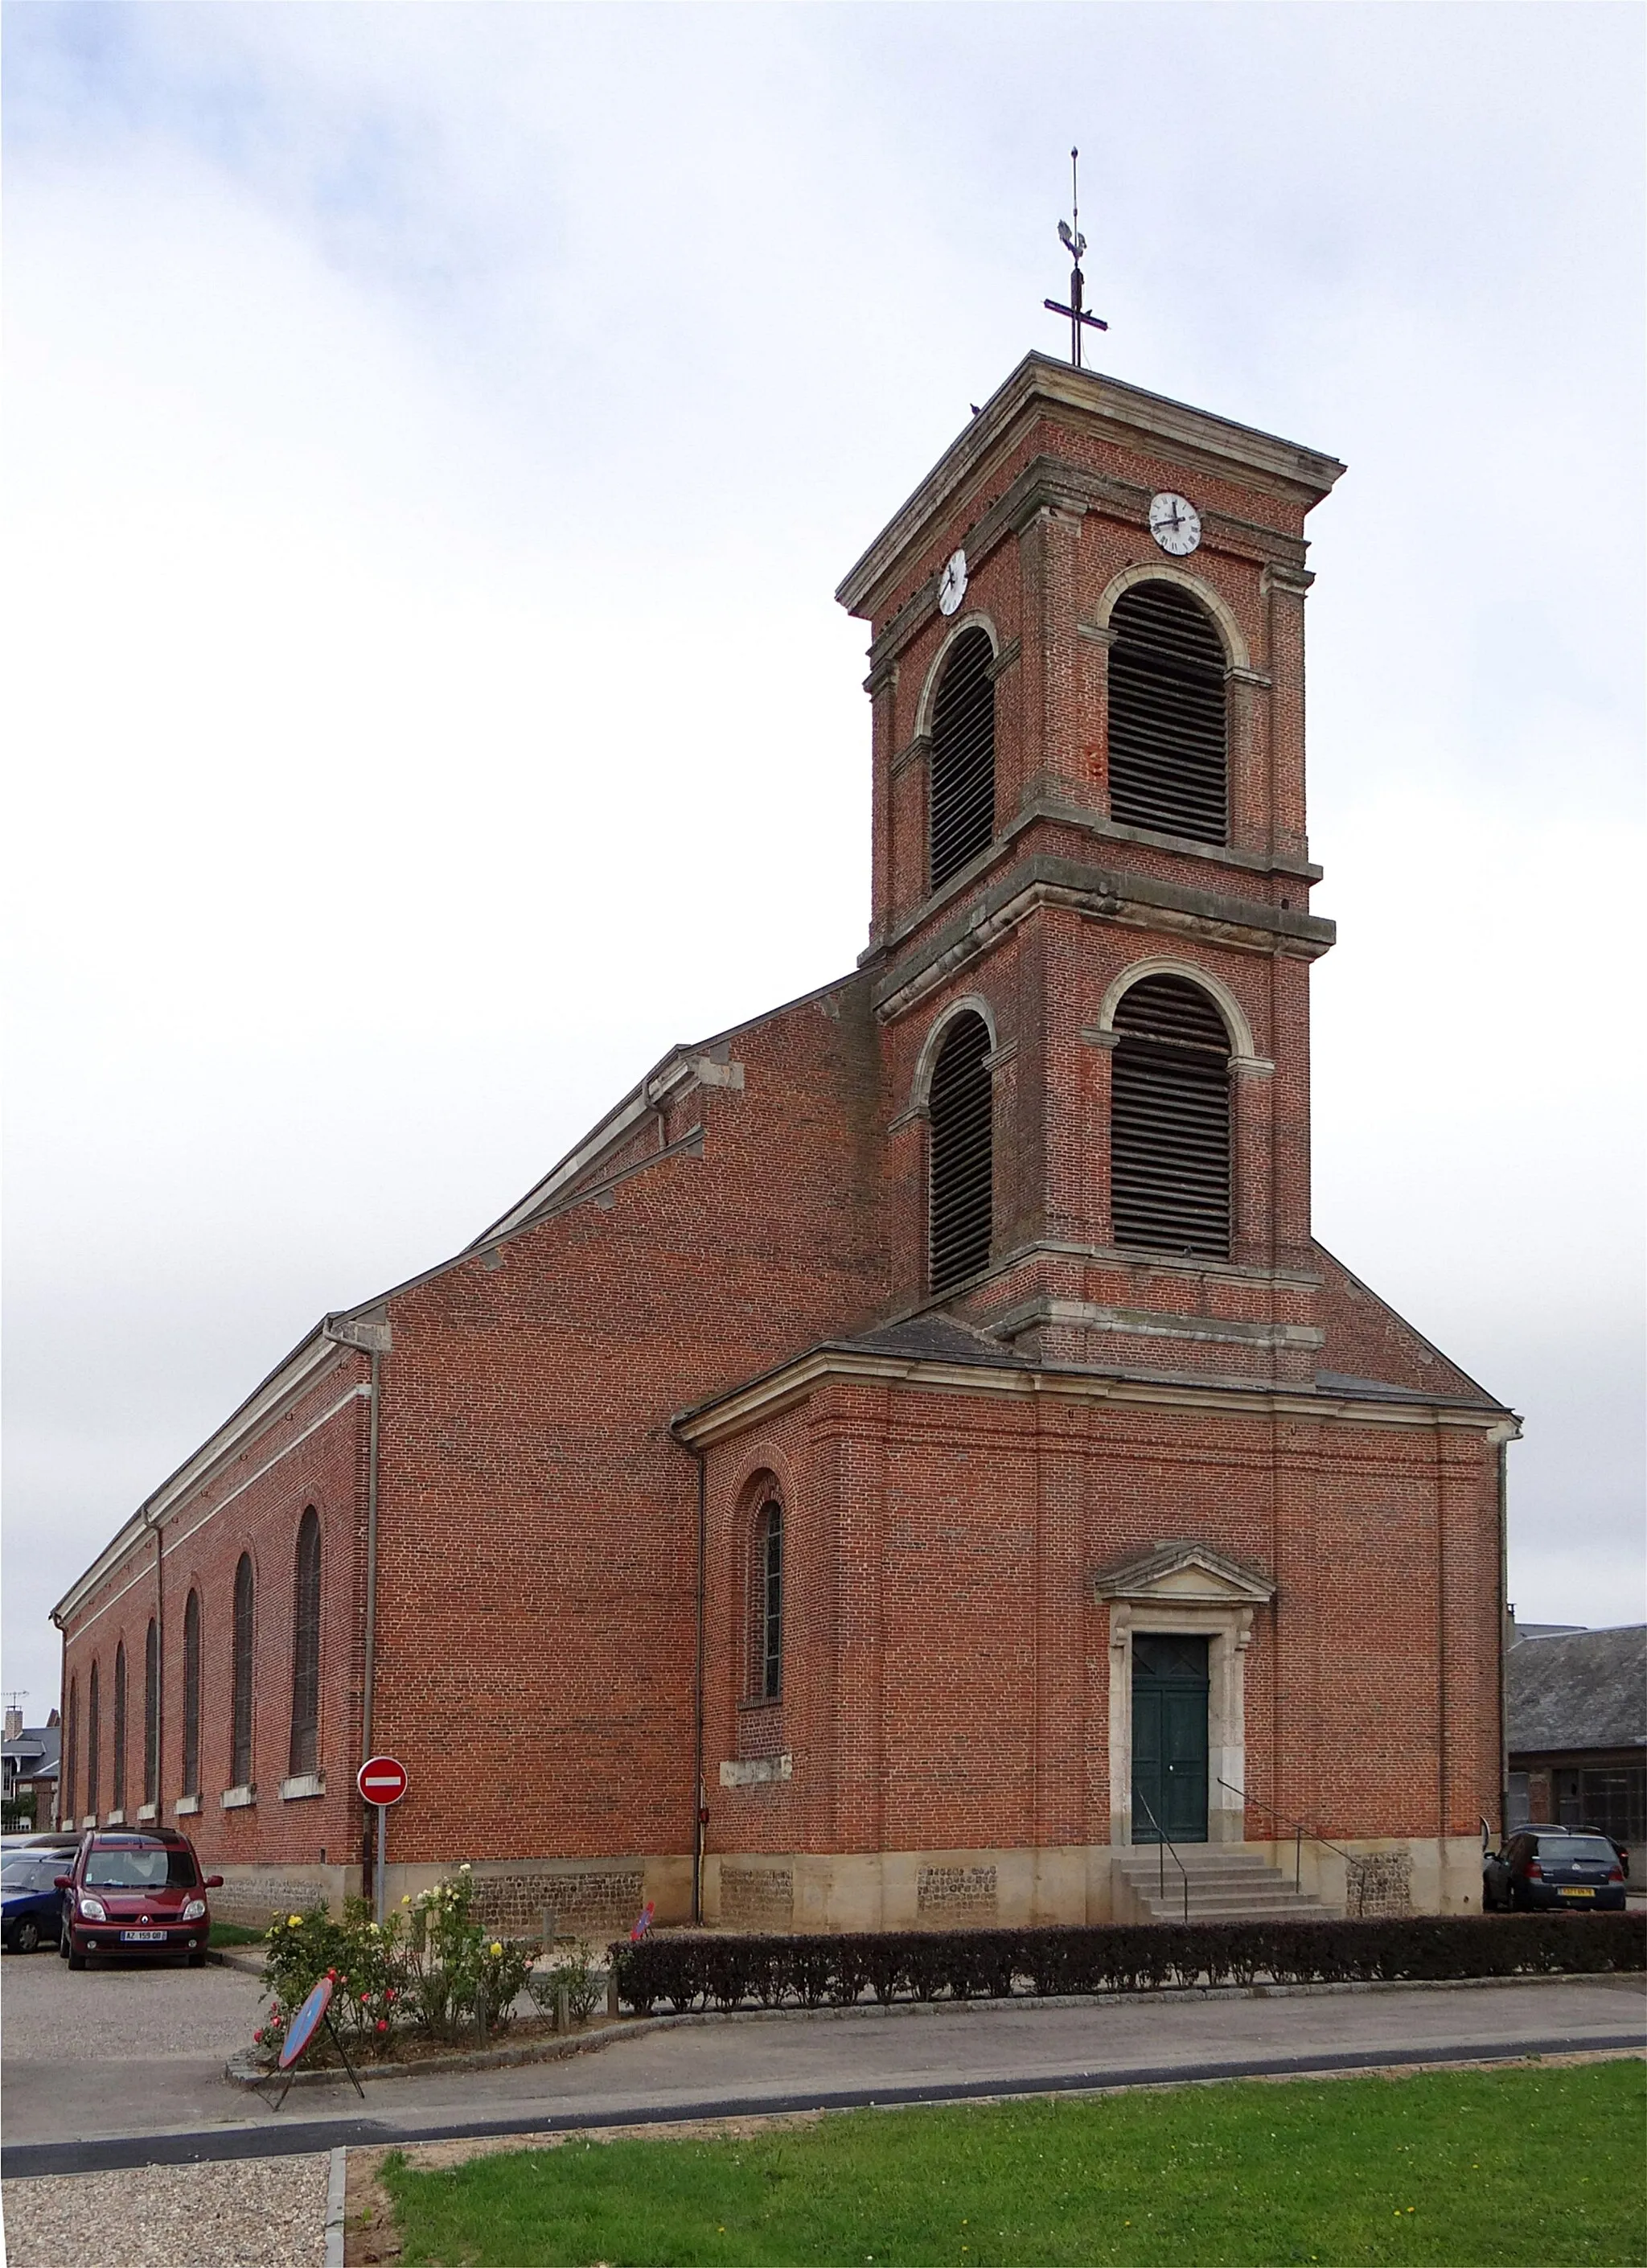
column 1454, row 2167
column 230, row 1933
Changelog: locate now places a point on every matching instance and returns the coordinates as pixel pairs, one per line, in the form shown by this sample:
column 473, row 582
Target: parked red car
column 137, row 1890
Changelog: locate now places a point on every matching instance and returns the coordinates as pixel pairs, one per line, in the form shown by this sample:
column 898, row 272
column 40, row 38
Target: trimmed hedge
column 685, row 1971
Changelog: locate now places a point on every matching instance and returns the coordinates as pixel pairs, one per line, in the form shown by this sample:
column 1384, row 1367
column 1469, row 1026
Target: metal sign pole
column 382, row 1837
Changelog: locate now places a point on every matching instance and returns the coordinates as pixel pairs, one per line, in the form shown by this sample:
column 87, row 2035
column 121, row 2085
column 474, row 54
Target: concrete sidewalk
column 793, row 2060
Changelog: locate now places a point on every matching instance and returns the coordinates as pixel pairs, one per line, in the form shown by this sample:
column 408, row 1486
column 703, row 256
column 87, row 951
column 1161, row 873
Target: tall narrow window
column 961, row 805
column 306, row 1649
column 766, row 1680
column 240, row 1727
column 1169, row 1138
column 151, row 1713
column 93, row 1742
column 1167, row 760
column 961, row 1104
column 70, row 1807
column 118, row 1776
column 191, row 1695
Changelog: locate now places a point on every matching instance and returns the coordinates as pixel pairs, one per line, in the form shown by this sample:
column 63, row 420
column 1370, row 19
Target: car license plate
column 157, row 1936
column 1579, row 1894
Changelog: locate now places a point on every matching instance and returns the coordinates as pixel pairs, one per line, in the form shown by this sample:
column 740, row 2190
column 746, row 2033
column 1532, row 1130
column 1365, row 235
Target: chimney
column 13, row 1722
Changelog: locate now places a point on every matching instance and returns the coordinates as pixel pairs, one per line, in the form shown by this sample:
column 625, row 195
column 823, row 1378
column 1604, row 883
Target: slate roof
column 1584, row 1690
column 939, row 1338
column 34, row 1753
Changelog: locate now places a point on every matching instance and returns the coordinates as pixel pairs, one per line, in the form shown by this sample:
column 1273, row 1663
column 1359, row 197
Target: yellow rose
column 494, row 1947
column 294, row 1921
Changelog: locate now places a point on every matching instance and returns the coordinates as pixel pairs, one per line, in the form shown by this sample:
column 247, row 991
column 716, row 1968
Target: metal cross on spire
column 1069, row 233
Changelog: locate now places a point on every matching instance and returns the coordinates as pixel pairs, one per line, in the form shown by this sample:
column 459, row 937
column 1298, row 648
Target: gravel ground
column 254, row 2213
column 122, row 2009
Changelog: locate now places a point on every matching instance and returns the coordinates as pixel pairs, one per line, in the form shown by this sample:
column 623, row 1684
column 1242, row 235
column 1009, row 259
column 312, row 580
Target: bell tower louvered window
column 962, row 1115
column 1169, row 1139
column 244, row 1601
column 1167, row 738
column 962, row 802
column 306, row 1649
column 191, row 1695
column 152, row 1714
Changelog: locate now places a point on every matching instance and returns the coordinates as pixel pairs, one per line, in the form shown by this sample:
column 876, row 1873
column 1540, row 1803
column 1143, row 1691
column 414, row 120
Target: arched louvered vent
column 962, row 801
column 305, row 1754
column 191, row 1695
column 1169, row 1126
column 962, row 1107
column 240, row 1729
column 1167, row 763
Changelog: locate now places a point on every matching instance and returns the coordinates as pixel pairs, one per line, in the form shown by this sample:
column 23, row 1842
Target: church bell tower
column 1091, row 937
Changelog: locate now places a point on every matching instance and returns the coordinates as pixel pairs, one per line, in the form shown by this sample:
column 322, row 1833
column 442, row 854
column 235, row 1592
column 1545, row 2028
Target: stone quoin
column 913, row 1452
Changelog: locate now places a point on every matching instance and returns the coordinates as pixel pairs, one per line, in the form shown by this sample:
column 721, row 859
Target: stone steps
column 1223, row 1886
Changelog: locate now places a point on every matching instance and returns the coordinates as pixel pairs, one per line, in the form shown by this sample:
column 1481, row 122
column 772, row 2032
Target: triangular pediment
column 1184, row 1573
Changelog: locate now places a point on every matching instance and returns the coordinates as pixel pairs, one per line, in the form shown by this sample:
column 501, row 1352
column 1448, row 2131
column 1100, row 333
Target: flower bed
column 692, row 1971
column 428, row 1977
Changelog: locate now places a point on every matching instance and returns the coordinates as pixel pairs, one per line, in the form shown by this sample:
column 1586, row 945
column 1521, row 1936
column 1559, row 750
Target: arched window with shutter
column 118, row 1776
column 240, row 1707
column 151, row 1713
column 69, row 1803
column 94, row 1742
column 961, row 803
column 306, row 1649
column 1169, row 1131
column 1168, row 761
column 191, row 1695
column 765, row 1681
column 961, row 1121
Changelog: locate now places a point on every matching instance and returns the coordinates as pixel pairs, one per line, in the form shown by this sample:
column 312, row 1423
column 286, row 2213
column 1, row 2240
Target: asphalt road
column 125, row 2067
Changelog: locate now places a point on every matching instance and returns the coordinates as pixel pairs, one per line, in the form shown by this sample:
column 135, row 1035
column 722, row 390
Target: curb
column 336, row 2203
column 245, row 2070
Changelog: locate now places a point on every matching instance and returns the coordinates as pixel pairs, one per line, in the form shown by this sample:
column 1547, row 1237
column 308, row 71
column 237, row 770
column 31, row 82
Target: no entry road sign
column 380, row 1779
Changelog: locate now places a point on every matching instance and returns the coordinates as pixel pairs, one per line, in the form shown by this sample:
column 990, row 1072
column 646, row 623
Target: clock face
column 1174, row 523
column 952, row 589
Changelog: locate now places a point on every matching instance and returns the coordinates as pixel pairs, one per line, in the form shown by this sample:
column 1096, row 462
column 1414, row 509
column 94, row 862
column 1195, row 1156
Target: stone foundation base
column 960, row 1890
column 253, row 1896
column 593, row 1898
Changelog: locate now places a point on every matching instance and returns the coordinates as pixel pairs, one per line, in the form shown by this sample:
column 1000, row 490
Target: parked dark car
column 137, row 1891
column 31, row 1904
column 1554, row 1867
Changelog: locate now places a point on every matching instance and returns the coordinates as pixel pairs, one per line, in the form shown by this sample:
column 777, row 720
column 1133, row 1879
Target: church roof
column 1577, row 1690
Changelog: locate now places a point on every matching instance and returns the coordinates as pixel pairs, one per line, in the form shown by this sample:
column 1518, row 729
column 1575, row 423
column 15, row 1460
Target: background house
column 1576, row 1717
column 29, row 1759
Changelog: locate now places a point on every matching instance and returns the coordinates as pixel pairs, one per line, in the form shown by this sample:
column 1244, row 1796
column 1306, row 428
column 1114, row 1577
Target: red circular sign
column 381, row 1780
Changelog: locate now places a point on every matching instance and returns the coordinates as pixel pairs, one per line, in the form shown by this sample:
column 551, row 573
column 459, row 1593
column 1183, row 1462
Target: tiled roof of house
column 1579, row 1689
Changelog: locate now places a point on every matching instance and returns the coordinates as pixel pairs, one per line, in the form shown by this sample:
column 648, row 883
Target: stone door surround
column 1188, row 1590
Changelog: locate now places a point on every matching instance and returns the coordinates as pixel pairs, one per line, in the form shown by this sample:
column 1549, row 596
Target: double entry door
column 1169, row 1738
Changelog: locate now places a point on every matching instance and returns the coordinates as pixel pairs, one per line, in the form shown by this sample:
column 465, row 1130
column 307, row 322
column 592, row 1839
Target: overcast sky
column 435, row 434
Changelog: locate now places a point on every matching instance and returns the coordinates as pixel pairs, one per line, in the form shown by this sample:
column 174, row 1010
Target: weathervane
column 1070, row 233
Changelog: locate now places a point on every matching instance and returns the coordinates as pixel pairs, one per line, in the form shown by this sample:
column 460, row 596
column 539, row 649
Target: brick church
column 913, row 1455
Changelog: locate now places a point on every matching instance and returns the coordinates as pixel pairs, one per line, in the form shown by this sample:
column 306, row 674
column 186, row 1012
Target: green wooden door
column 1169, row 1738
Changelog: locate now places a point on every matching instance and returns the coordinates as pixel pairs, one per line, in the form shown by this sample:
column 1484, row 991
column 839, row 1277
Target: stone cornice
column 1123, row 414
column 1140, row 899
column 764, row 1398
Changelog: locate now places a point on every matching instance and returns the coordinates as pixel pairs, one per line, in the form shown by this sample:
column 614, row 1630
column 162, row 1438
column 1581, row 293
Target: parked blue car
column 30, row 1904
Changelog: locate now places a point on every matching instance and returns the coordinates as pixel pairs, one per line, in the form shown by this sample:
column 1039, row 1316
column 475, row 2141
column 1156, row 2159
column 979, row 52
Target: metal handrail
column 1299, row 1830
column 1163, row 1844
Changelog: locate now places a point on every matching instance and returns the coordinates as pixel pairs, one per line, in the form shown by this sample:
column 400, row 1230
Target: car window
column 1565, row 1849
column 30, row 1874
column 132, row 1867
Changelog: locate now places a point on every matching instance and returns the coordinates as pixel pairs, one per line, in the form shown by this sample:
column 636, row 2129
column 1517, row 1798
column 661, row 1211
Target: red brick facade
column 562, row 1440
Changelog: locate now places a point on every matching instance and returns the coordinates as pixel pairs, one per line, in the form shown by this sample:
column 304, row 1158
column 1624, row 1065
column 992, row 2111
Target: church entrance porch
column 1169, row 1689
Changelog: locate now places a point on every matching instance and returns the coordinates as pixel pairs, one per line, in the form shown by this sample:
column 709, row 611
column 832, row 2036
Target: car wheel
column 63, row 1942
column 26, row 1937
column 197, row 1960
column 75, row 1960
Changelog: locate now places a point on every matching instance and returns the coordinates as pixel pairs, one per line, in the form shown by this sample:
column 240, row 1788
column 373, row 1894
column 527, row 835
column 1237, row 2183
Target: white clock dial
column 952, row 589
column 1174, row 523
